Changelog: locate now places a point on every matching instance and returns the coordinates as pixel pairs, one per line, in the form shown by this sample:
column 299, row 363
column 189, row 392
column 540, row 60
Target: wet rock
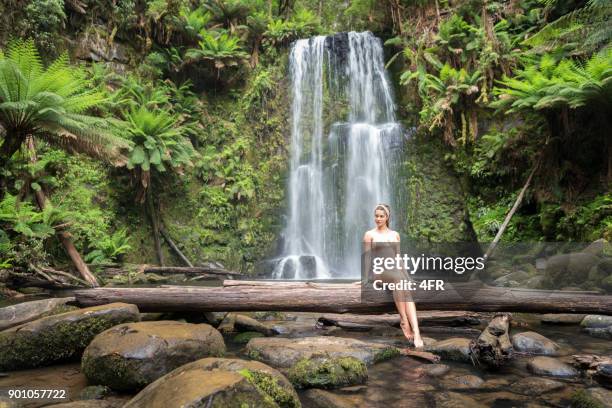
column 532, row 342
column 87, row 404
column 150, row 317
column 227, row 324
column 455, row 400
column 215, row 318
column 568, row 269
column 503, row 399
column 434, row 370
column 598, row 247
column 243, row 338
column 6, row 402
column 328, row 372
column 599, row 332
column 595, row 397
column 549, row 366
column 562, row 318
column 462, row 382
column 324, row 399
column 14, row 315
column 284, row 352
column 94, row 46
column 94, row 392
column 130, row 356
column 595, row 321
column 533, row 386
column 218, row 383
column 455, row 349
column 59, row 337
column 246, row 323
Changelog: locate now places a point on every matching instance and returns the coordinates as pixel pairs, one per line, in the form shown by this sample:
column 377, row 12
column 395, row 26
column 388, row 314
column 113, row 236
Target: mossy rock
column 219, row 383
column 328, row 372
column 286, row 352
column 59, row 337
column 243, row 338
column 455, row 349
column 24, row 312
column 132, row 355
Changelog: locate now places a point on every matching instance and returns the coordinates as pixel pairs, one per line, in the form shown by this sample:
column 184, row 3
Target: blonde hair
column 386, row 209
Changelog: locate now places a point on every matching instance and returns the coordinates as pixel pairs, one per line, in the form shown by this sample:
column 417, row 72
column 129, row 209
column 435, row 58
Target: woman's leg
column 400, row 304
column 414, row 322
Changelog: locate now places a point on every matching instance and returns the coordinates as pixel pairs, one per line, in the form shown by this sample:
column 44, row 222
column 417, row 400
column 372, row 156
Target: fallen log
column 161, row 270
column 426, row 318
column 342, row 298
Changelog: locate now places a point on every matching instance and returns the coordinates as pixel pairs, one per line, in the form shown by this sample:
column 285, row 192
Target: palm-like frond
column 52, row 103
column 551, row 85
column 586, row 29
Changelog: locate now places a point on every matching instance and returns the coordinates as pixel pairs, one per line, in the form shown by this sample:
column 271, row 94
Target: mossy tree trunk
column 152, row 213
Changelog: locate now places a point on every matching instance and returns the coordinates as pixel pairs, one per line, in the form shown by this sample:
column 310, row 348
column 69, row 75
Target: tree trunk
column 172, row 245
column 342, row 298
column 7, row 150
column 154, row 225
column 64, row 236
column 516, row 205
column 493, row 347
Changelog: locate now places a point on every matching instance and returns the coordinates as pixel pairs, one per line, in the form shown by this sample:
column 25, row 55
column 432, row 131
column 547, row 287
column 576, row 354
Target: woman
column 403, row 299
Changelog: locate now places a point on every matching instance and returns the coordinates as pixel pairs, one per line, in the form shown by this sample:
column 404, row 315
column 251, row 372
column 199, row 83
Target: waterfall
column 344, row 153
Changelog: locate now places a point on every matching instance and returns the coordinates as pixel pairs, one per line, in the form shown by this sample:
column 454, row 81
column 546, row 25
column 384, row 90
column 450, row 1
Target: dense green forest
column 122, row 121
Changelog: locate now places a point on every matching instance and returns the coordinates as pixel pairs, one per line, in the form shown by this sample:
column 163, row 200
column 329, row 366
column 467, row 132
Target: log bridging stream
column 237, row 295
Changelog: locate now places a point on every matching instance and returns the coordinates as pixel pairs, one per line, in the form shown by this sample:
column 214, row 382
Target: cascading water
column 344, row 152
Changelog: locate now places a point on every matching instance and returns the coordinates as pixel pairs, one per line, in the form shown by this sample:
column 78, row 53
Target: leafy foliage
column 50, row 103
column 551, row 84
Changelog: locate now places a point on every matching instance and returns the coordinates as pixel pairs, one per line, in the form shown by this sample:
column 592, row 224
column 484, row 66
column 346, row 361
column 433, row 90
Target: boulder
column 455, row 349
column 284, row 352
column 14, row 315
column 562, row 318
column 326, row 372
column 598, row 247
column 599, row 332
column 87, row 404
column 218, row 383
column 533, row 386
column 532, row 342
column 246, row 323
column 568, row 269
column 59, row 337
column 132, row 355
column 594, row 321
column 551, row 367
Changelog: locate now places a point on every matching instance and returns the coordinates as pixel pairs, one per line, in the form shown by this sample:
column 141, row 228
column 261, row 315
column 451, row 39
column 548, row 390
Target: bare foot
column 406, row 329
column 418, row 342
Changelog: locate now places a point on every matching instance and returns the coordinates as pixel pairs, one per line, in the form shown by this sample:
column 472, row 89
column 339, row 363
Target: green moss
column 268, row 384
column 243, row 338
column 114, row 371
column 253, row 354
column 61, row 341
column 328, row 372
column 59, row 309
column 386, row 354
column 582, row 399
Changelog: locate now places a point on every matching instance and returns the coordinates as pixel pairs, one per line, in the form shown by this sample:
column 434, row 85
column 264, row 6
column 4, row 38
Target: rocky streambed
column 115, row 356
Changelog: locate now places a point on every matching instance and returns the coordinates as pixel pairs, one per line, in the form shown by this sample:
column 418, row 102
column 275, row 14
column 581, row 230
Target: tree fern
column 50, row 103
